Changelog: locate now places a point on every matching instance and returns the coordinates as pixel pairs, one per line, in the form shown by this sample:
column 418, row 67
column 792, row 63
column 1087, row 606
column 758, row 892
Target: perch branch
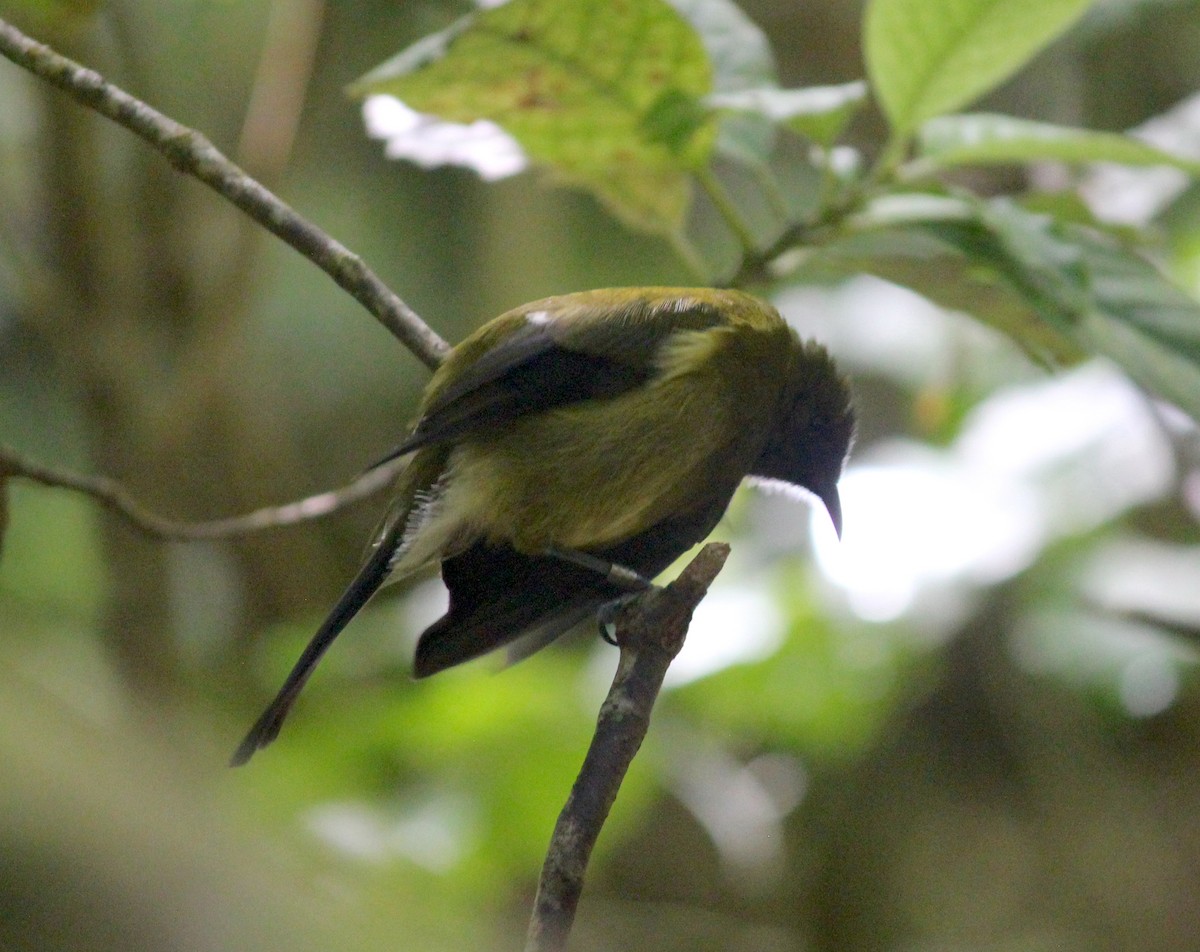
column 192, row 153
column 650, row 630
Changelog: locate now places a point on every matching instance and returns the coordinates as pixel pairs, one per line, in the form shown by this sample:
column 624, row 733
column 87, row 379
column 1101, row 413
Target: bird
column 571, row 449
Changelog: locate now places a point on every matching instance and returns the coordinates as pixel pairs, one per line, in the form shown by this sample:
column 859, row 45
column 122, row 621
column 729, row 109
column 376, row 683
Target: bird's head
column 813, row 430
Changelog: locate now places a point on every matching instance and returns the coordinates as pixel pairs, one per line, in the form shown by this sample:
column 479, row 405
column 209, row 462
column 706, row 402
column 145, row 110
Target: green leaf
column 942, row 264
column 1060, row 291
column 819, row 113
column 1147, row 325
column 747, row 137
column 738, row 50
column 929, row 57
column 1035, row 255
column 607, row 94
column 1118, row 304
column 981, row 138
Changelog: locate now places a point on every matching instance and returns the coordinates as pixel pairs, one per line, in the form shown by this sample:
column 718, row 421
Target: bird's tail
column 370, row 577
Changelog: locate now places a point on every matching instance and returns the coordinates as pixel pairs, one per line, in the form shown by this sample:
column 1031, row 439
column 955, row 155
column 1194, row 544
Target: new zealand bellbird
column 574, row 447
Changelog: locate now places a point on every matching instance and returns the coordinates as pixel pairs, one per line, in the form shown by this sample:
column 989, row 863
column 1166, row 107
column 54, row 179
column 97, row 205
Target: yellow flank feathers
column 615, row 467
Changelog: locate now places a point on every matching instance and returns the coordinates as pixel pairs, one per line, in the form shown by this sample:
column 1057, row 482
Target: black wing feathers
column 498, row 595
column 528, row 373
column 545, row 365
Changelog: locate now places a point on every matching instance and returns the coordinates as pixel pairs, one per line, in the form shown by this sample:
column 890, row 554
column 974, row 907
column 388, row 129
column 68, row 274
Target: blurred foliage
column 991, row 751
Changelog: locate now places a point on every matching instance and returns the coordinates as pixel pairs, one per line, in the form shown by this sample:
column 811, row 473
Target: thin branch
column 650, row 630
column 192, row 153
column 113, row 496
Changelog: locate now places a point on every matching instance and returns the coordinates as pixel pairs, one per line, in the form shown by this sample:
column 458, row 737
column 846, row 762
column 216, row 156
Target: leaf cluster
column 666, row 110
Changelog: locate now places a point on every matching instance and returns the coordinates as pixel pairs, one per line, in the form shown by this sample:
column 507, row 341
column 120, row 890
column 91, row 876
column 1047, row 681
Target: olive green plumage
column 615, row 423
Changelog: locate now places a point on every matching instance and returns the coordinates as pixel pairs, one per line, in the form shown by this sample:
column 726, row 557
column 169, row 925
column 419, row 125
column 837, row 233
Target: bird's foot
column 606, row 616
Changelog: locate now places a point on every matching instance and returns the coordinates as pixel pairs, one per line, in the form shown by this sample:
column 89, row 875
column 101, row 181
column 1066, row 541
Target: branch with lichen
column 191, row 153
column 114, row 497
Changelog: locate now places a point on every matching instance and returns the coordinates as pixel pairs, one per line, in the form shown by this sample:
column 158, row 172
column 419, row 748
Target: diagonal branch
column 113, row 496
column 650, row 630
column 192, row 153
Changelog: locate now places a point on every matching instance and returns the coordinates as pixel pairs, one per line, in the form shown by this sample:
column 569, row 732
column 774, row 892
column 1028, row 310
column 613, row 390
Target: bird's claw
column 606, row 616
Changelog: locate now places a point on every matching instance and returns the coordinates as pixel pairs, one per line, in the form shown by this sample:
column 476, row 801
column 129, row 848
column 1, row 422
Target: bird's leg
column 620, row 575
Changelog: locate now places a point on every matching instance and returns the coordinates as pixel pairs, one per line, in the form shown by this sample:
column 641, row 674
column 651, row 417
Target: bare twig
column 192, row 153
column 650, row 630
column 113, row 496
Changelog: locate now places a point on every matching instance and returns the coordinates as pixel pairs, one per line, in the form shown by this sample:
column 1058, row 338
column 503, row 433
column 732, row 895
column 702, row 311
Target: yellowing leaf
column 607, row 94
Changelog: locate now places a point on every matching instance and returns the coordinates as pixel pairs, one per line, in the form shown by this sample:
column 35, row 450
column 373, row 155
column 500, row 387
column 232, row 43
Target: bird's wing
column 550, row 360
column 502, row 597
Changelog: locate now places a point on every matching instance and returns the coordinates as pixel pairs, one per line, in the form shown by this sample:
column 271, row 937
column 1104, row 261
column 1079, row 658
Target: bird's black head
column 812, row 431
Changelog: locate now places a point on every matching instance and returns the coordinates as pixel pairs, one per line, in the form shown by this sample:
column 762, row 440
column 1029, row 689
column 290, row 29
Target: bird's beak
column 833, row 505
